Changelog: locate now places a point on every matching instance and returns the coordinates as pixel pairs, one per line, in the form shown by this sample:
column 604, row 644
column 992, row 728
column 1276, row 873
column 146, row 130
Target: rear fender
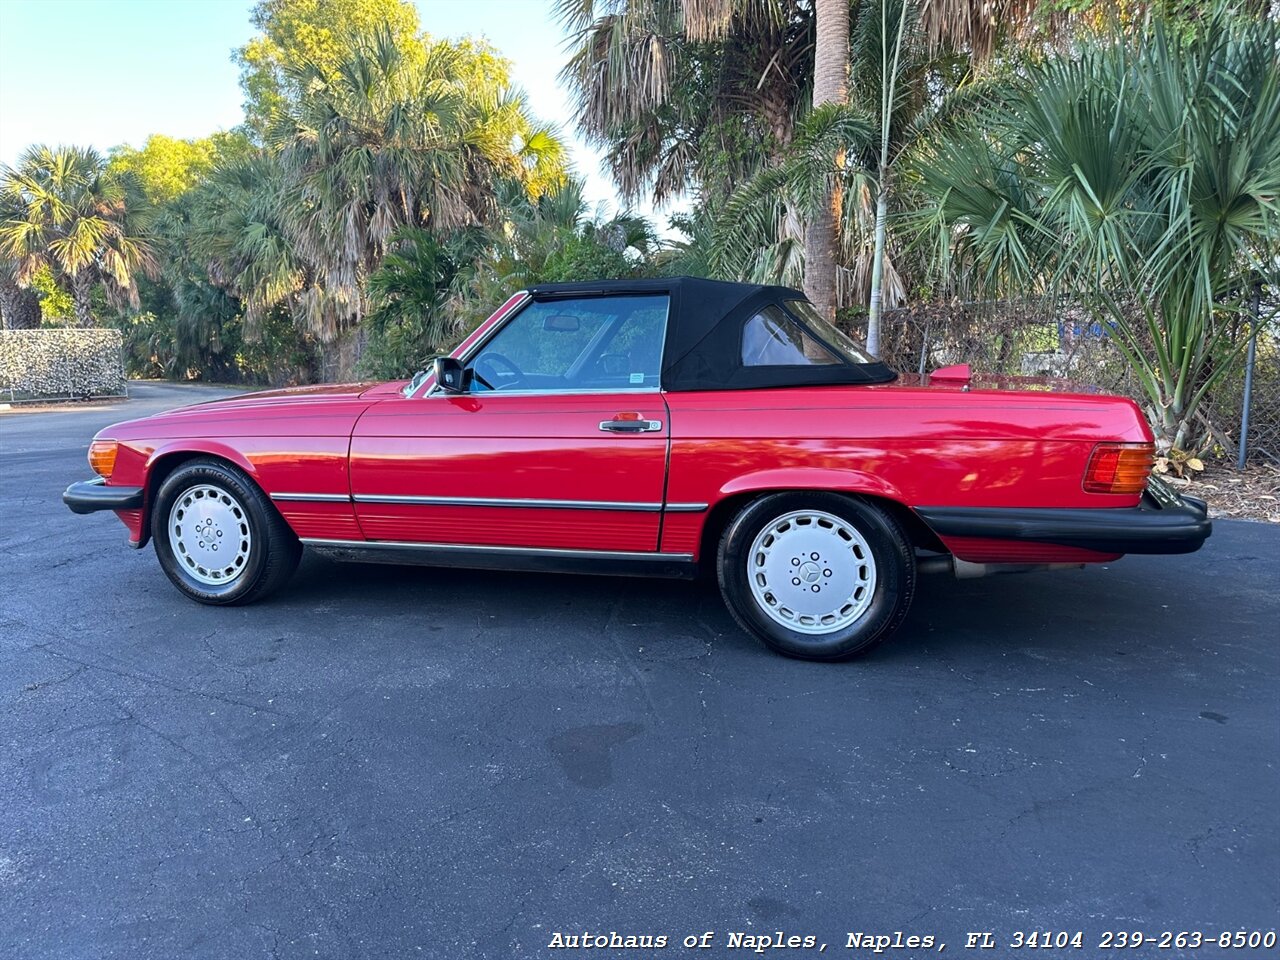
column 705, row 529
column 811, row 478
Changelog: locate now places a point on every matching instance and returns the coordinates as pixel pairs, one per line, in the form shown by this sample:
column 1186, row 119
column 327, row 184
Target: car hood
column 289, row 398
column 323, row 410
column 331, row 391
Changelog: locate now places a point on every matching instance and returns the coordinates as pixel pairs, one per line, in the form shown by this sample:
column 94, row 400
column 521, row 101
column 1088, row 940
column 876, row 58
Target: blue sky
column 105, row 72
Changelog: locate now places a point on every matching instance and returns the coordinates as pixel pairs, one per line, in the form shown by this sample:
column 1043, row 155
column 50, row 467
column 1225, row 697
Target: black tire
column 265, row 565
column 890, row 598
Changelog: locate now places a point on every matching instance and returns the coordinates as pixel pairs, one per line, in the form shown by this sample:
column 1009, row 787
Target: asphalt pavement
column 388, row 763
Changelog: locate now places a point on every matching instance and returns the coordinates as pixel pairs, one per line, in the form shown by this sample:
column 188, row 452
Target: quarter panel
column 991, row 450
column 915, row 446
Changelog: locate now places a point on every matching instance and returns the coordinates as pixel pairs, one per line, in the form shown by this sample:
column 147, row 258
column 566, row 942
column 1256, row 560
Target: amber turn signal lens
column 1119, row 468
column 102, row 457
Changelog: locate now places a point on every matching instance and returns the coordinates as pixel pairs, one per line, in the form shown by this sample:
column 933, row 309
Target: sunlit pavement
column 384, row 762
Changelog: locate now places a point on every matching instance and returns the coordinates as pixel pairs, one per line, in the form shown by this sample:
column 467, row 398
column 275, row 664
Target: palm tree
column 430, row 289
column 411, row 292
column 384, row 143
column 19, row 306
column 923, row 76
column 707, row 95
column 1140, row 176
column 849, row 153
column 759, row 233
column 553, row 238
column 830, row 85
column 388, row 141
column 232, row 230
column 71, row 213
column 687, row 94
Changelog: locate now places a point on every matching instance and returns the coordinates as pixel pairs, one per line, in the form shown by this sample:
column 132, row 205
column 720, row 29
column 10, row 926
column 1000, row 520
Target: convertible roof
column 703, row 349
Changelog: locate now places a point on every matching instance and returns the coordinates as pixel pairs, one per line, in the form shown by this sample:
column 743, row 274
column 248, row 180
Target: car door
column 560, row 442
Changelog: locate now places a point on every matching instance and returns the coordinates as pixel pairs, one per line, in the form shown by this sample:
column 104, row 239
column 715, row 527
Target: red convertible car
column 651, row 427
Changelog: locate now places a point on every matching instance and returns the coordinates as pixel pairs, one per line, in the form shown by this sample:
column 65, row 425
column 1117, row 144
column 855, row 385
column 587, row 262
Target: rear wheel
column 820, row 576
column 218, row 538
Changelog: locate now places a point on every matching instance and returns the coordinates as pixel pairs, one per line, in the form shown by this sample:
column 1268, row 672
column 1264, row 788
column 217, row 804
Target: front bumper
column 1164, row 522
column 90, row 496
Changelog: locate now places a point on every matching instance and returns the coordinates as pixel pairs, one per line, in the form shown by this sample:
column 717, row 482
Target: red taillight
column 102, row 457
column 1119, row 468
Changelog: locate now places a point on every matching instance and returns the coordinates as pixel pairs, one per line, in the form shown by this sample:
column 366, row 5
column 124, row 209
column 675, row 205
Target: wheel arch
column 166, row 459
column 722, row 512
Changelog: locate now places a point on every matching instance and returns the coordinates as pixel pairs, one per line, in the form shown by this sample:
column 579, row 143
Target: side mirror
column 450, row 375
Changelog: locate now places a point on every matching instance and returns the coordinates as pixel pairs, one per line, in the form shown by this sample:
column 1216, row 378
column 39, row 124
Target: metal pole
column 1250, row 359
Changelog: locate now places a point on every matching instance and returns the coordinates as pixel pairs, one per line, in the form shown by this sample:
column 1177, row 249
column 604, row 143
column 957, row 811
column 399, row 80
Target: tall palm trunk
column 82, row 295
column 19, row 307
column 877, row 265
column 830, row 85
column 889, row 63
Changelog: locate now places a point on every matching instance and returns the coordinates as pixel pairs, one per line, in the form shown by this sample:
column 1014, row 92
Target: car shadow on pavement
column 1091, row 612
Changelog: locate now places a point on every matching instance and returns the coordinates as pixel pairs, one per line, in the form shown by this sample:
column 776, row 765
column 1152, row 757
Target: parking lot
column 384, row 762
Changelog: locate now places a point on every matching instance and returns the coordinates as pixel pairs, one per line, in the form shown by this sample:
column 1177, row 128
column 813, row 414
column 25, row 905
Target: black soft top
column 703, row 349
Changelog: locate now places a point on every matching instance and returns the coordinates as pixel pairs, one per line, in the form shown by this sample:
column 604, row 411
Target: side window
column 546, row 337
column 631, row 354
column 773, row 339
column 595, row 343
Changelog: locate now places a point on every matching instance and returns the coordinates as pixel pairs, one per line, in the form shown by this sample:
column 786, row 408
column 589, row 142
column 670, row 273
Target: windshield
column 834, row 337
column 411, row 387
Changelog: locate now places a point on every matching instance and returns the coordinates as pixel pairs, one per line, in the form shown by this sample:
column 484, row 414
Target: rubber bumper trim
column 1163, row 522
column 90, row 496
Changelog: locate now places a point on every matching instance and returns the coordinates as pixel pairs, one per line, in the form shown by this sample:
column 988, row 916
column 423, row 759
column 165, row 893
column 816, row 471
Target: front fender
column 208, row 447
column 136, row 464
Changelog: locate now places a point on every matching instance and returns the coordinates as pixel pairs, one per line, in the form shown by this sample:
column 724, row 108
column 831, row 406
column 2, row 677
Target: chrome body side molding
column 530, row 503
column 312, row 497
column 519, row 502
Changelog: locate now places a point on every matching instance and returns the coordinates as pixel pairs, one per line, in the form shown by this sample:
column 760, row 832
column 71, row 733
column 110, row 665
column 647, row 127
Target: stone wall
column 59, row 364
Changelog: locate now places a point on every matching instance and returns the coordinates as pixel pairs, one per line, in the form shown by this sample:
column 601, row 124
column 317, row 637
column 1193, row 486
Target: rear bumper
column 1164, row 522
column 90, row 496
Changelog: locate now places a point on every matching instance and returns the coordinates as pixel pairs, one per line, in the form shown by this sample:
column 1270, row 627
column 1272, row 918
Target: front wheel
column 218, row 538
column 819, row 576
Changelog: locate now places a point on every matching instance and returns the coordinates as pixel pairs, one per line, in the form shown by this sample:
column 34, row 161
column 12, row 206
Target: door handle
column 630, row 423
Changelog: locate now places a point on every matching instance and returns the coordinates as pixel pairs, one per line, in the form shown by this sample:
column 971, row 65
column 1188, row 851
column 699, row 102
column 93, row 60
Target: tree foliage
column 1141, row 174
column 431, row 290
column 68, row 212
column 314, row 32
column 388, row 188
column 687, row 95
column 390, row 141
column 165, row 167
column 712, row 98
column 412, row 289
